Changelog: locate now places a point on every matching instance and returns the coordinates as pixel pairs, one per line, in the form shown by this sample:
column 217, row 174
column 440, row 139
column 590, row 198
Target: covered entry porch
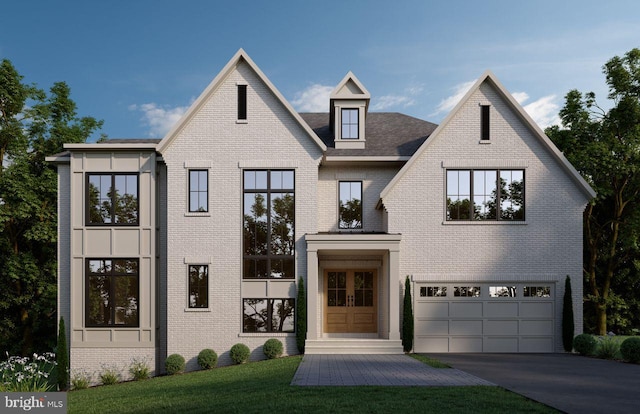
column 353, row 293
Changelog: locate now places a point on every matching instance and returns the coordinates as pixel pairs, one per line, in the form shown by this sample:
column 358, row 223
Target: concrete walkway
column 567, row 382
column 386, row 370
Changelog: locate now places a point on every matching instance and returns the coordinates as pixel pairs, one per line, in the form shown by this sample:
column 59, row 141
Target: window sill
column 265, row 334
column 197, row 309
column 195, row 214
column 484, row 141
column 241, row 121
column 484, row 223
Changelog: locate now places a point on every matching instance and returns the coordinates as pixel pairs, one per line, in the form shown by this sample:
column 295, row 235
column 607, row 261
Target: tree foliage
column 33, row 125
column 568, row 328
column 407, row 318
column 604, row 146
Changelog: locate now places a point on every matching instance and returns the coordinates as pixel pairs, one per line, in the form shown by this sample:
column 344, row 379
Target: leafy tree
column 604, row 145
column 33, row 125
column 62, row 358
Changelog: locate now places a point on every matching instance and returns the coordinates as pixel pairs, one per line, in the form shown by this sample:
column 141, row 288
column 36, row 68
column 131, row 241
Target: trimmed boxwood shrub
column 272, row 348
column 239, row 353
column 207, row 358
column 584, row 344
column 174, row 364
column 630, row 349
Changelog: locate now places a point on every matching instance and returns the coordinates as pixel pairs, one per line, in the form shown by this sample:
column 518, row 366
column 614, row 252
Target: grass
column 434, row 363
column 264, row 387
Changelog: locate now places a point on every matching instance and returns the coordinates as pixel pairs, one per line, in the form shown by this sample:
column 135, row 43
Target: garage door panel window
column 502, row 291
column 466, row 291
column 537, row 291
column 433, row 291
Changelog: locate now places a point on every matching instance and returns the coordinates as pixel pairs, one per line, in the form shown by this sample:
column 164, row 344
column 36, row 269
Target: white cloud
column 544, row 111
column 520, row 97
column 314, row 98
column 389, row 101
column 159, row 119
column 449, row 103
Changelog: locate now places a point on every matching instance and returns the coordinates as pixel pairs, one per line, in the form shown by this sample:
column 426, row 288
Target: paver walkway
column 386, row 370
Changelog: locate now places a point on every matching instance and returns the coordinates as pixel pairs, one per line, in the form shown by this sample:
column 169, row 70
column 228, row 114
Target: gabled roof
column 350, row 88
column 239, row 57
column 489, row 77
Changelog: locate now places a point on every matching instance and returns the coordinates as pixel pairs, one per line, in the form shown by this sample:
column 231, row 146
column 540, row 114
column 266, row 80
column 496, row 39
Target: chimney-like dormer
column 348, row 111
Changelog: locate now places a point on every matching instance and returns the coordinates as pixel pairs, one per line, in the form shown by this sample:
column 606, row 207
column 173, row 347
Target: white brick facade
column 405, row 231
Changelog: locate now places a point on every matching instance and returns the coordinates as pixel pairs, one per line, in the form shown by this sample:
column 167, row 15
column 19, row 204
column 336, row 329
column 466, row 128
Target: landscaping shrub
column 174, row 364
column 239, row 353
column 630, row 349
column 139, row 369
column 608, row 347
column 62, row 358
column 584, row 344
column 301, row 316
column 407, row 318
column 22, row 374
column 567, row 317
column 80, row 380
column 110, row 375
column 207, row 359
column 272, row 348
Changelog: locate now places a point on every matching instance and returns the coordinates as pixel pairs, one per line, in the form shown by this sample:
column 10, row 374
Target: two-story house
column 198, row 240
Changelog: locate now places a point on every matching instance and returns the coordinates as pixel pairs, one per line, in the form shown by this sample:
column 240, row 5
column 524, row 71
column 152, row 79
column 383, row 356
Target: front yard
column 264, row 387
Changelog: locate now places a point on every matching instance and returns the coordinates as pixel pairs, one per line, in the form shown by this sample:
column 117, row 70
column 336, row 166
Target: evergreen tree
column 407, row 318
column 568, row 328
column 301, row 316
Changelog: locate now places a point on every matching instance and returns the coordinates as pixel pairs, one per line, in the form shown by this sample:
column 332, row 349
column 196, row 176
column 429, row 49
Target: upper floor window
column 198, row 191
column 350, row 124
column 269, row 217
column 485, row 195
column 198, row 286
column 112, row 292
column 350, row 208
column 484, row 123
column 242, row 102
column 112, row 199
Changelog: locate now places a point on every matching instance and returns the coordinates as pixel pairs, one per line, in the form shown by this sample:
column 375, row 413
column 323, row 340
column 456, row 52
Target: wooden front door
column 351, row 301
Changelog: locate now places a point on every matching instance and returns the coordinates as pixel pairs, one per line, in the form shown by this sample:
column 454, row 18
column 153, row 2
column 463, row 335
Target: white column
column 394, row 295
column 312, row 294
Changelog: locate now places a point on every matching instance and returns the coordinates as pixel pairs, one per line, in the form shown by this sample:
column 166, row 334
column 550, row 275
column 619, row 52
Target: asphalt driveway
column 570, row 383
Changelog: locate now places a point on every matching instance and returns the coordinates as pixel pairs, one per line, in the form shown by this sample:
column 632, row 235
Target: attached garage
column 484, row 317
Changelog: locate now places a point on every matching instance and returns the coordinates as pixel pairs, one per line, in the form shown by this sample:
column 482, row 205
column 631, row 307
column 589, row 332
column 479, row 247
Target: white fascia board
column 367, row 158
column 111, row 147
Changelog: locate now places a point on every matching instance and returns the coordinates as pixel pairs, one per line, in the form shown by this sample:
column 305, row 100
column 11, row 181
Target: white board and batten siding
column 505, row 322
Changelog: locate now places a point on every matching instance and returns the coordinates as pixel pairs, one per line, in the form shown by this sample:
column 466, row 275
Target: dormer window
column 350, row 123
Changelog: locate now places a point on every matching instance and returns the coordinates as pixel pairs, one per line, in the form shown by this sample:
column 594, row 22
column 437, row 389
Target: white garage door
column 484, row 317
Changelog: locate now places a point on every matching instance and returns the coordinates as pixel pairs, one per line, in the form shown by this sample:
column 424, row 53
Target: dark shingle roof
column 387, row 134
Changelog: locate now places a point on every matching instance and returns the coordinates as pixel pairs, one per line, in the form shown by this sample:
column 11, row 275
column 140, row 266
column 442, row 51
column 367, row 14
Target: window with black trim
column 112, row 199
column 112, row 292
column 485, row 195
column 242, row 102
column 268, row 224
column 485, row 132
column 198, row 191
column 350, row 207
column 268, row 315
column 433, row 291
column 537, row 291
column 198, row 286
column 466, row 291
column 350, row 123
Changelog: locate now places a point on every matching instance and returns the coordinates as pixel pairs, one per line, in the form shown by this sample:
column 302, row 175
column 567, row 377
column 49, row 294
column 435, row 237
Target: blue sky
column 139, row 64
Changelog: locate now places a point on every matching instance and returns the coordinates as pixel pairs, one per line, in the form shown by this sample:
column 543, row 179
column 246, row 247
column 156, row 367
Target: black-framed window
column 433, row 291
column 485, row 195
column 198, row 286
column 198, row 191
column 350, row 123
column 537, row 291
column 242, row 102
column 268, row 315
column 485, row 132
column 350, row 204
column 269, row 224
column 112, row 199
column 466, row 291
column 112, row 292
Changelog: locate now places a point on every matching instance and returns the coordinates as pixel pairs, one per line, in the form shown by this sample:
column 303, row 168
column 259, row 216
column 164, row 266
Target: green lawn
column 264, row 387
